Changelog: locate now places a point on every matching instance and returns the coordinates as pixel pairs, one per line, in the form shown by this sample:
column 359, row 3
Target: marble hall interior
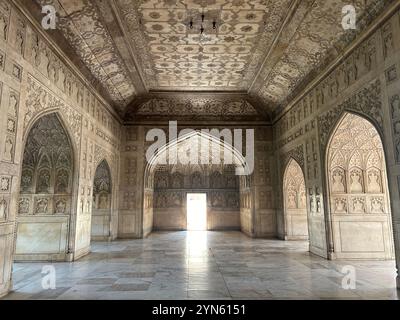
column 199, row 149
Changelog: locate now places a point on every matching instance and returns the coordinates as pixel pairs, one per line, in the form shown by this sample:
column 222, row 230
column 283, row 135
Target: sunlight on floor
column 196, row 243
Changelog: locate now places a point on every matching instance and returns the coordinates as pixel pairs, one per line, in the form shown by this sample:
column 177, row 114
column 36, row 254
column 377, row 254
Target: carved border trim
column 367, row 101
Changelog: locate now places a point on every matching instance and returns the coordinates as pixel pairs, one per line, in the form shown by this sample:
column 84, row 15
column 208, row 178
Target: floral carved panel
column 40, row 99
column 356, row 168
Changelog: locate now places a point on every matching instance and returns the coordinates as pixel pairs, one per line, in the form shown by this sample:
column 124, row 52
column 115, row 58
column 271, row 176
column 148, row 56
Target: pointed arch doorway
column 102, row 201
column 295, row 206
column 46, row 192
column 359, row 204
column 166, row 185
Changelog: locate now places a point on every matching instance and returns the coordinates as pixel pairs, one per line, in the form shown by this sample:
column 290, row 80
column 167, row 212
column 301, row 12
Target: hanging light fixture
column 203, row 24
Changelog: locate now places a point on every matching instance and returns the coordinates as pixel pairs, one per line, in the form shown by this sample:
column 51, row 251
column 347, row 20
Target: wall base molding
column 296, row 238
column 102, row 238
column 127, row 236
column 5, row 288
column 80, row 253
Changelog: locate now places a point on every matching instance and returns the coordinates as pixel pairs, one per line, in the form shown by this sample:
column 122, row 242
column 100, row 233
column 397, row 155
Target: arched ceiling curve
column 265, row 50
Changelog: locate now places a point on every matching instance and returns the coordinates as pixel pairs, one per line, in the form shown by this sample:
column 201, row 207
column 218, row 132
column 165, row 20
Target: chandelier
column 202, row 22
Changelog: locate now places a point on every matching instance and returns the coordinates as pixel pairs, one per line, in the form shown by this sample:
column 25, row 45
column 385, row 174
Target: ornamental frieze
column 40, row 99
column 367, row 101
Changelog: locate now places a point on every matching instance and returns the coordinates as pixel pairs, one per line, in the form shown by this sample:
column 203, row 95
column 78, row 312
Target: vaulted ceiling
column 260, row 55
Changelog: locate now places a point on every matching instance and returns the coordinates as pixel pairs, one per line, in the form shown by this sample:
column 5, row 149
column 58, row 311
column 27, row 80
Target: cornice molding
column 133, row 108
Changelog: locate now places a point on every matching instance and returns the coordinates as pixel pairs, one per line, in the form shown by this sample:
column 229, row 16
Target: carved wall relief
column 177, row 180
column 172, row 183
column 356, row 166
column 102, row 202
column 387, row 38
column 130, row 170
column 357, row 189
column 9, row 149
column 374, row 181
column 356, row 180
column 39, row 99
column 340, row 205
column 41, row 206
column 367, row 101
column 394, row 103
column 5, row 11
column 19, row 41
column 102, row 186
column 161, row 181
column 2, row 60
column 391, row 74
column 62, row 181
column 3, row 209
column 5, row 184
column 338, row 180
column 47, row 167
column 295, row 206
column 23, row 206
column 61, row 206
column 196, row 180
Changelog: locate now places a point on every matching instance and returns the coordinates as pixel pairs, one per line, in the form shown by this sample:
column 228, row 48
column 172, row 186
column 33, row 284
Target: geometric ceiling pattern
column 265, row 49
column 180, row 58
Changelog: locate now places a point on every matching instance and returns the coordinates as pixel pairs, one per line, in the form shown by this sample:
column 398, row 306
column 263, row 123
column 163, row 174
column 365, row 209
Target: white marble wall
column 137, row 216
column 34, row 81
column 367, row 83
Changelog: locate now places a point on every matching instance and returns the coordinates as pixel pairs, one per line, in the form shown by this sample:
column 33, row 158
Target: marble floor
column 204, row 265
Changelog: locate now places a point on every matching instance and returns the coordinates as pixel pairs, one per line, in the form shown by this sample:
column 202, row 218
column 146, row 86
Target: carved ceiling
column 265, row 49
column 176, row 57
column 202, row 107
column 83, row 26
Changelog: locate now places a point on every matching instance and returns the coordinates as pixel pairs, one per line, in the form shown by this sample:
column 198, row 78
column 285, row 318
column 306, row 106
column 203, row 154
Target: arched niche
column 295, row 202
column 102, row 203
column 359, row 204
column 166, row 185
column 46, row 187
column 173, row 183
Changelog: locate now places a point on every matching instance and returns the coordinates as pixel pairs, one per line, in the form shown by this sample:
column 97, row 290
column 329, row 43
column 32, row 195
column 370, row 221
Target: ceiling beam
column 140, row 82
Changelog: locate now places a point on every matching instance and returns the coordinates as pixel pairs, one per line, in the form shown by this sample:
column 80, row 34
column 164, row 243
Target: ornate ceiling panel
column 266, row 49
column 175, row 57
column 83, row 27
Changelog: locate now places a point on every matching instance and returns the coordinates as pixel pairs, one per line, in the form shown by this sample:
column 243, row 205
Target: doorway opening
column 196, row 211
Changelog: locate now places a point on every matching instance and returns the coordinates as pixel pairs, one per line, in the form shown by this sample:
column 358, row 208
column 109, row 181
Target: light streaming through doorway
column 196, row 212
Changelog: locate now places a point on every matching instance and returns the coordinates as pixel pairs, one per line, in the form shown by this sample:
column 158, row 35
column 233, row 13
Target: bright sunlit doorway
column 196, row 211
